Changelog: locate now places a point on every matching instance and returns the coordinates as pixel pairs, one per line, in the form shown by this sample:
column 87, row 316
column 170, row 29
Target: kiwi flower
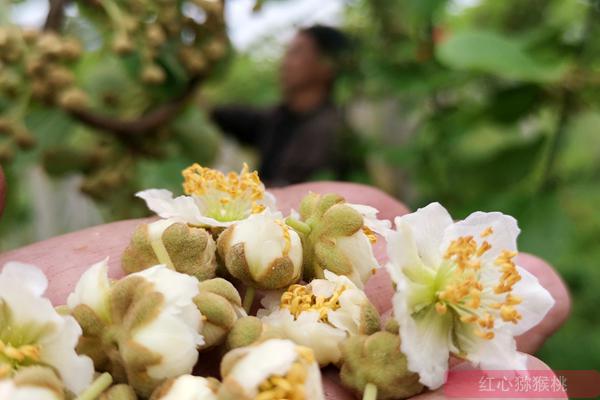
column 274, row 369
column 460, row 291
column 143, row 328
column 212, row 198
column 187, row 387
column 33, row 333
column 262, row 251
column 32, row 383
column 320, row 315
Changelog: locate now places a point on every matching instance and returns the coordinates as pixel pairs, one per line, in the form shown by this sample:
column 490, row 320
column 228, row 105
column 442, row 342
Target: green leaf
column 494, row 54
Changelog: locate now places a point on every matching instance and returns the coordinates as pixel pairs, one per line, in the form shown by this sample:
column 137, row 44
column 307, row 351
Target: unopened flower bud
column 60, row 77
column 36, row 382
column 221, row 305
column 49, row 44
column 156, row 35
column 377, row 360
column 71, row 49
column 153, row 74
column 119, row 392
column 23, row 138
column 186, row 249
column 187, row 387
column 246, row 331
column 7, row 151
column 73, row 99
column 193, row 60
column 262, row 252
column 122, row 44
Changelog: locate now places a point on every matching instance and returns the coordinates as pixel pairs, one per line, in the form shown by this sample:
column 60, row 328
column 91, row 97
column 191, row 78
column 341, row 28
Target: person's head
column 312, row 59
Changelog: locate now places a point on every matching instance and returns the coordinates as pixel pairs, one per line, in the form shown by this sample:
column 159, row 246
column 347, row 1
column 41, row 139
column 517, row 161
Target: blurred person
column 302, row 135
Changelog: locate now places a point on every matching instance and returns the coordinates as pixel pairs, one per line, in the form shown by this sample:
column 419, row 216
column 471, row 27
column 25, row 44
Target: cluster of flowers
column 458, row 292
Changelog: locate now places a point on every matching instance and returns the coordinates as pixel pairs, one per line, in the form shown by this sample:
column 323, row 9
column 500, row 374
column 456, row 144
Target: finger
column 64, row 258
column 533, row 339
column 533, row 364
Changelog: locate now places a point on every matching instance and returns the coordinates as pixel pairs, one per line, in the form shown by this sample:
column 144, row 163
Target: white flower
column 10, row 391
column 93, row 289
column 189, row 387
column 173, row 333
column 459, row 291
column 274, row 366
column 33, row 333
column 262, row 251
column 319, row 315
column 213, row 199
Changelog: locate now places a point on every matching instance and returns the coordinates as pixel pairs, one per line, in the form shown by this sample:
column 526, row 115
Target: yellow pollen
column 487, row 321
column 487, row 335
column 370, row 234
column 441, row 308
column 487, row 232
column 298, row 299
column 509, row 314
column 226, row 189
column 19, row 354
column 286, row 236
column 291, row 385
column 469, row 318
column 485, row 246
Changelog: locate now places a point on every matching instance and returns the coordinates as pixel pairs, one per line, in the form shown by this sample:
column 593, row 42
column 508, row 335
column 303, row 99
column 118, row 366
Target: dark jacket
column 292, row 146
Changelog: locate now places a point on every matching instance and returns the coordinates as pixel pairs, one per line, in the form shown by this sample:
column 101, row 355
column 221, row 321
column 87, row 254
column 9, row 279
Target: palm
column 64, row 258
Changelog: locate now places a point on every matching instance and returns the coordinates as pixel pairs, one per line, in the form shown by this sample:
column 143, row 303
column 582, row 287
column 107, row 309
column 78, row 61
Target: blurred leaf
column 495, row 54
column 580, row 154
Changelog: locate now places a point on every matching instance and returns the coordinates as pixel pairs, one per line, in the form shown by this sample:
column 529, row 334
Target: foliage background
column 495, row 106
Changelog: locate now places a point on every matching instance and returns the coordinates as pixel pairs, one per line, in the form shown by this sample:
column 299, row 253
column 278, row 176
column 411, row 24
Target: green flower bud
column 73, row 99
column 377, row 359
column 220, row 303
column 153, row 74
column 186, row 249
column 156, row 35
column 187, row 387
column 41, row 378
column 122, row 44
column 262, row 252
column 334, row 238
column 247, row 330
column 119, row 392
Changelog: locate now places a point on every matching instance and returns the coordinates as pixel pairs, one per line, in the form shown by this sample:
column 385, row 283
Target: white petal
column 314, row 384
column 425, row 342
column 272, row 357
column 92, row 289
column 323, row 287
column 8, row 391
column 269, row 201
column 379, row 226
column 178, row 289
column 25, row 276
column 58, row 350
column 404, row 256
column 358, row 249
column 504, row 236
column 536, row 302
column 189, row 387
column 174, row 340
column 182, row 208
column 322, row 338
column 427, row 225
column 500, row 353
column 264, row 241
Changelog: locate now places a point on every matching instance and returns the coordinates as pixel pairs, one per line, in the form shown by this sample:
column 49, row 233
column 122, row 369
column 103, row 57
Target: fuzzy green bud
column 220, row 303
column 247, row 330
column 119, row 392
column 186, row 249
column 378, row 360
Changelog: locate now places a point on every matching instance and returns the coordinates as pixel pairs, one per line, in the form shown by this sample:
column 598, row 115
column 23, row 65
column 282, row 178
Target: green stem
column 298, row 226
column 249, row 298
column 101, row 383
column 370, row 392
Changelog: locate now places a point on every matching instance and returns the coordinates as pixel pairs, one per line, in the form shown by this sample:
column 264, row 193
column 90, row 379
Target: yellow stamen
column 487, row 232
column 441, row 308
column 370, row 234
column 298, row 299
column 509, row 314
column 291, row 385
column 286, row 236
column 487, row 335
column 19, row 354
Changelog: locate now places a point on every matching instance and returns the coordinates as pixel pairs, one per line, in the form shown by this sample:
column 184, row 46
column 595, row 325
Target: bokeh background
column 478, row 104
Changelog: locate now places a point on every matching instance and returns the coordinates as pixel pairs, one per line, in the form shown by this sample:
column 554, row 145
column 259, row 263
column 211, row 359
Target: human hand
column 64, row 258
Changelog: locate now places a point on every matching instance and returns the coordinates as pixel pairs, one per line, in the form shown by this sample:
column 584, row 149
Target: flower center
column 226, row 197
column 463, row 288
column 291, row 385
column 11, row 357
column 298, row 299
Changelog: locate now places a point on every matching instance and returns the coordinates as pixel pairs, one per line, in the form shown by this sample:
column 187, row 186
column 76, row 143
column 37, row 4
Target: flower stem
column 298, row 226
column 249, row 298
column 370, row 392
column 97, row 387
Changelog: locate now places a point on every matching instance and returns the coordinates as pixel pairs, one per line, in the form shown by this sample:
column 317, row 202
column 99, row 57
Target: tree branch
column 55, row 16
